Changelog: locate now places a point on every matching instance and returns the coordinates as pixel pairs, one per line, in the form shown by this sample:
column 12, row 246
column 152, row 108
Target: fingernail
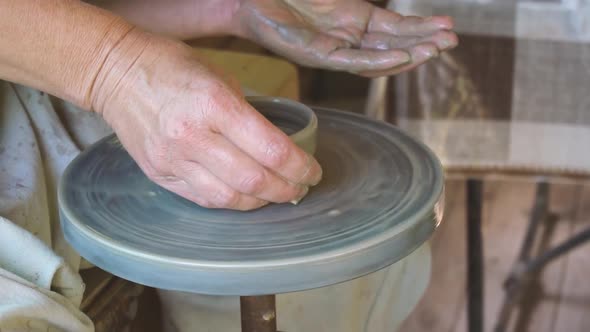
column 317, row 178
column 302, row 194
column 425, row 53
column 314, row 168
column 431, row 53
column 444, row 43
column 406, row 57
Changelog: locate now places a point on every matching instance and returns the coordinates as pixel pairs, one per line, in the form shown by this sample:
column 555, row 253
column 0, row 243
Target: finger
column 212, row 192
column 252, row 133
column 332, row 53
column 420, row 54
column 356, row 60
column 444, row 40
column 383, row 20
column 240, row 171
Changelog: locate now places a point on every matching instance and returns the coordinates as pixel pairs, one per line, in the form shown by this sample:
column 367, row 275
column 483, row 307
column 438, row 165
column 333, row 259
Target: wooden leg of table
column 518, row 278
column 475, row 282
column 258, row 313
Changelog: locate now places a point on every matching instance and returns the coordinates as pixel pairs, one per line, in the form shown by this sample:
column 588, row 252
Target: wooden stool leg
column 258, row 313
column 475, row 282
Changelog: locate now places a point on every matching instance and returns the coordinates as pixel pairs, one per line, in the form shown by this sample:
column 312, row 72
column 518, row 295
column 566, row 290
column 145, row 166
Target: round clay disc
column 380, row 199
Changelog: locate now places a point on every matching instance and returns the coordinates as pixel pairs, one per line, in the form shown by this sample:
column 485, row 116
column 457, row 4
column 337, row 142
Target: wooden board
column 574, row 296
column 263, row 74
column 560, row 300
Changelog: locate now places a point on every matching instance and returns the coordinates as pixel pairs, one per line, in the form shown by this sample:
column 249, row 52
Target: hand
column 195, row 135
column 346, row 35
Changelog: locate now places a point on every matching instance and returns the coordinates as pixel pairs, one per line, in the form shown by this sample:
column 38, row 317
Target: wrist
column 215, row 18
column 124, row 50
column 100, row 59
column 234, row 25
column 132, row 73
column 181, row 19
column 58, row 46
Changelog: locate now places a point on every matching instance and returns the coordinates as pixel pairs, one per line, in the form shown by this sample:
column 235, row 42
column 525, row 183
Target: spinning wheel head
column 380, row 199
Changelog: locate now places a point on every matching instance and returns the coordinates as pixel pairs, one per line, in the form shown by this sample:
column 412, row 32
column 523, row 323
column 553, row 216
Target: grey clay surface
column 293, row 118
column 379, row 200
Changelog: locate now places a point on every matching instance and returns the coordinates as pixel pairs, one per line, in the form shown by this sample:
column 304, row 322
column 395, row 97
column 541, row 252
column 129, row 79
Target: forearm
column 183, row 19
column 62, row 47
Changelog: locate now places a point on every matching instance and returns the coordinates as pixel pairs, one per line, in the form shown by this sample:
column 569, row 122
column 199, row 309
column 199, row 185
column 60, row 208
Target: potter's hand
column 193, row 134
column 348, row 35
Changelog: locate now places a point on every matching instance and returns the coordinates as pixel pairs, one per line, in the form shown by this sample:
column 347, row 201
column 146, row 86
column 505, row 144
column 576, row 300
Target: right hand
column 194, row 134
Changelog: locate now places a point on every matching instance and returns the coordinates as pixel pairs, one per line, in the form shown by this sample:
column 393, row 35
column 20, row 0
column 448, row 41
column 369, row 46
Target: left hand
column 345, row 35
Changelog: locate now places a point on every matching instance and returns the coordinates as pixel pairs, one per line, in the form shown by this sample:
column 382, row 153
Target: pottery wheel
column 378, row 201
